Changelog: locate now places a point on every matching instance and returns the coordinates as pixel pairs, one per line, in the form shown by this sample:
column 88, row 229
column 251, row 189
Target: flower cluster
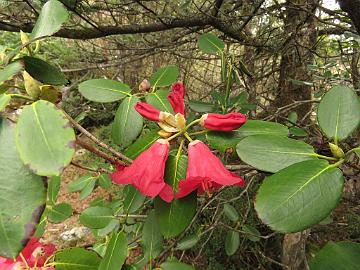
column 33, row 256
column 205, row 172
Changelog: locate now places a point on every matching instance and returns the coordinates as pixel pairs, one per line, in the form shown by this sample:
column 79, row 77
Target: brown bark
column 294, row 253
column 355, row 73
column 300, row 25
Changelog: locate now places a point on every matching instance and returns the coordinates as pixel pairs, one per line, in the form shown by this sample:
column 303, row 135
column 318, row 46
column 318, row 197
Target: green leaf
column 293, row 117
column 11, row 70
column 232, row 242
column 299, row 196
column 258, row 127
column 273, row 153
column 76, row 259
column 4, row 101
column 53, row 189
column 80, row 183
column 44, row 138
column 201, row 107
column 141, row 144
column 53, row 14
column 104, row 181
column 227, row 141
column 116, row 253
column 88, row 188
column 128, row 122
column 188, row 242
column 164, row 76
column 104, row 90
column 339, row 113
column 133, row 199
column 299, row 132
column 251, row 233
column 96, row 217
column 176, row 266
column 337, row 256
column 22, row 194
column 43, row 72
column 357, row 151
column 159, row 100
column 174, row 217
column 151, row 241
column 112, row 226
column 211, row 44
column 58, row 213
column 230, row 212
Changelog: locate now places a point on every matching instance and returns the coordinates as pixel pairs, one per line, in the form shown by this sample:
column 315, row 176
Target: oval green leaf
column 22, row 194
column 11, row 70
column 232, row 242
column 164, row 76
column 76, row 259
column 43, row 71
column 44, row 138
column 128, row 122
column 116, row 253
column 141, row 144
column 188, row 242
column 58, row 213
column 225, row 141
column 339, row 113
column 299, row 196
column 337, row 256
column 230, row 212
column 211, row 44
column 53, row 14
column 104, row 90
column 96, row 217
column 159, row 100
column 176, row 266
column 53, row 189
column 273, row 153
column 4, row 101
column 133, row 199
column 174, row 217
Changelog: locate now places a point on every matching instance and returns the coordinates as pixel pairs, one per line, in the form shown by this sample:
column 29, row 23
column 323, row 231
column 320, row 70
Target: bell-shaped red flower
column 205, row 172
column 148, row 111
column 146, row 173
column 34, row 253
column 223, row 122
column 176, row 98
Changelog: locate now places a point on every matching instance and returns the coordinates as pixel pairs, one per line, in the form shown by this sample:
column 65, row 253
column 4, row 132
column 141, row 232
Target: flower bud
column 336, row 150
column 148, row 111
column 223, row 122
column 144, row 86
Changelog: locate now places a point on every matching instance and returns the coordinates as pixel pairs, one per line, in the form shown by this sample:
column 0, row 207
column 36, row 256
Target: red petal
column 147, row 111
column 167, row 193
column 188, row 186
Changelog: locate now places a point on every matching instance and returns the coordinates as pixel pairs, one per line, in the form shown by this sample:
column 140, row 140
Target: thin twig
column 96, row 140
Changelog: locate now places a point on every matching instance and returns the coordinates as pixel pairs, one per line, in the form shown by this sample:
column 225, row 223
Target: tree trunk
column 352, row 7
column 300, row 26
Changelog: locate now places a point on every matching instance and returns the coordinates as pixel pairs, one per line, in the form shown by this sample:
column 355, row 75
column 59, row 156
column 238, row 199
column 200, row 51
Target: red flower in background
column 35, row 255
column 176, row 98
column 146, row 173
column 223, row 122
column 205, row 172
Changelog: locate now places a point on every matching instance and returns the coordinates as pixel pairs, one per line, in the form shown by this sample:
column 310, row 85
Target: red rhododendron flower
column 205, row 172
column 223, row 122
column 35, row 255
column 148, row 111
column 176, row 98
column 146, row 173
